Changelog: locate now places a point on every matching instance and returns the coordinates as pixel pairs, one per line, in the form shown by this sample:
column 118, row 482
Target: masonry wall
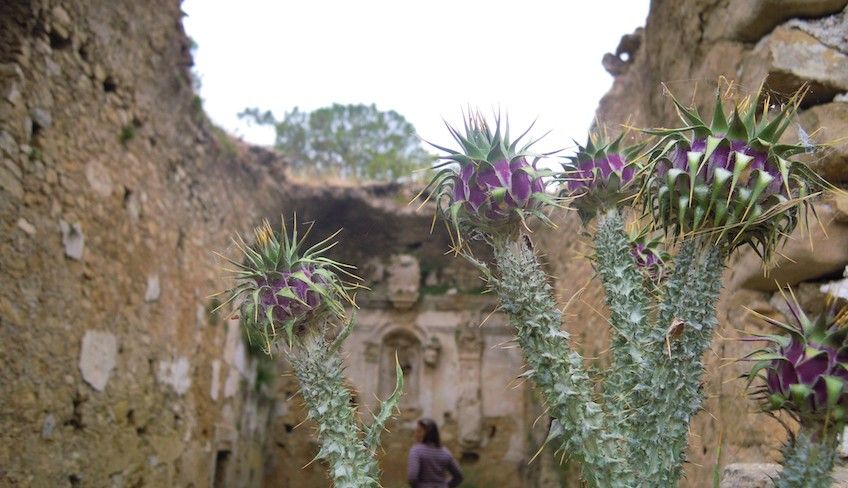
column 692, row 47
column 114, row 190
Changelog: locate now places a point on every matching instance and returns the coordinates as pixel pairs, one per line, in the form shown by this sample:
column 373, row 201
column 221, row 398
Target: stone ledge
column 760, row 475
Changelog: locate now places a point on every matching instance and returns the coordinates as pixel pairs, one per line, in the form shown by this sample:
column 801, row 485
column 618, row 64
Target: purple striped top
column 428, row 467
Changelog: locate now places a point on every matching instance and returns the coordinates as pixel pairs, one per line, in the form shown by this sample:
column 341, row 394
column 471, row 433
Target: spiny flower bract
column 729, row 178
column 600, row 176
column 279, row 286
column 650, row 255
column 806, row 372
column 490, row 182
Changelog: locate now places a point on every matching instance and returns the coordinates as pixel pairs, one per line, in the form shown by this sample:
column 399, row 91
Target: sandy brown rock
column 750, row 20
column 761, row 475
column 790, row 58
column 689, row 47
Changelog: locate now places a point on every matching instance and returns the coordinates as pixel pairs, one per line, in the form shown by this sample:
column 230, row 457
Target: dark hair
column 431, row 432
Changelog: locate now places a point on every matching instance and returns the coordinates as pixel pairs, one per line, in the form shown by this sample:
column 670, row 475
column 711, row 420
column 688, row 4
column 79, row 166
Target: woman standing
column 429, row 462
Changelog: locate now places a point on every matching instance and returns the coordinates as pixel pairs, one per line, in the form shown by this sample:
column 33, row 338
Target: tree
column 350, row 141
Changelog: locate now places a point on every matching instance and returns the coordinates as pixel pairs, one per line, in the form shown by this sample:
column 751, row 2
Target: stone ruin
column 115, row 187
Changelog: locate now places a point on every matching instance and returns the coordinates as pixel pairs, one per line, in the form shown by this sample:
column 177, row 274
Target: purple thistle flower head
column 600, row 176
column 494, row 192
column 490, row 183
column 289, row 295
column 283, row 287
column 807, row 372
column 730, row 178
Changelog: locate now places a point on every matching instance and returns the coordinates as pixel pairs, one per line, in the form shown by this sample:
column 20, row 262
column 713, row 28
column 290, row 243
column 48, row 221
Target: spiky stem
column 670, row 395
column 808, row 459
column 350, row 454
column 557, row 371
column 627, row 300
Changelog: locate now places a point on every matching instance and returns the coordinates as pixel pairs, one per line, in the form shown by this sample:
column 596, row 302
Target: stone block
column 749, row 20
column 176, row 374
column 151, row 294
column 790, row 58
column 73, row 239
column 98, row 357
column 10, row 184
column 828, row 125
column 404, row 281
column 98, row 178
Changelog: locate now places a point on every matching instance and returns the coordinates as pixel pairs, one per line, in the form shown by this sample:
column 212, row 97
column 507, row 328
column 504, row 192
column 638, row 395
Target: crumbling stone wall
column 428, row 308
column 114, row 189
column 686, row 46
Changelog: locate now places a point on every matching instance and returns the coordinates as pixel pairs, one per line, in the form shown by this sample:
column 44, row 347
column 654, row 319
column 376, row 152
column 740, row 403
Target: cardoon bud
column 490, row 183
column 282, row 287
column 601, row 176
column 806, row 373
column 649, row 256
column 730, row 178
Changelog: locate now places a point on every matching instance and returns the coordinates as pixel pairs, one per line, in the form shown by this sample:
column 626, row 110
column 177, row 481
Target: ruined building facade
column 115, row 189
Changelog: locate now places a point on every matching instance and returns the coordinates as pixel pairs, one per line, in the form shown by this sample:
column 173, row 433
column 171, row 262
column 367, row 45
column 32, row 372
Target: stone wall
column 427, row 309
column 687, row 46
column 114, row 190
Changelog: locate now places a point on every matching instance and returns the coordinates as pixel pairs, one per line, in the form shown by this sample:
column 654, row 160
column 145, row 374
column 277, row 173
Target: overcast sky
column 426, row 60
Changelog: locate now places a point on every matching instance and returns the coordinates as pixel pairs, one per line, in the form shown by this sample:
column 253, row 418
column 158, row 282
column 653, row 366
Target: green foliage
column 349, row 141
column 284, row 286
column 127, row 133
column 581, row 428
column 627, row 299
column 671, row 395
column 808, row 459
column 348, row 447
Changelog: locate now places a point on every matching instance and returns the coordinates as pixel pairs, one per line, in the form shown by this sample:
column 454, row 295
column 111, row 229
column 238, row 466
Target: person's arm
column 413, row 465
column 456, row 473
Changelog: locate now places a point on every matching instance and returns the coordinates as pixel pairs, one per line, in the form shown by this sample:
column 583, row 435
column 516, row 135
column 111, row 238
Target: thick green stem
column 558, row 371
column 808, row 459
column 671, row 388
column 319, row 369
column 627, row 300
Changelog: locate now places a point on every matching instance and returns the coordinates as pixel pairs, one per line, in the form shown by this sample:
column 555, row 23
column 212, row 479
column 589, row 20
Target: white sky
column 426, row 60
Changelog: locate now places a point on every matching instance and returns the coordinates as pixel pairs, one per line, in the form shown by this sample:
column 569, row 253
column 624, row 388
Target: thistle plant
column 708, row 188
column 467, row 196
column 712, row 187
column 729, row 179
column 492, row 182
column 804, row 372
column 293, row 299
column 600, row 176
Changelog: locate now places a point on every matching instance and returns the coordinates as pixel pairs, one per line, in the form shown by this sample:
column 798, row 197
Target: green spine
column 808, row 459
column 671, row 395
column 627, row 300
column 349, row 452
column 558, row 371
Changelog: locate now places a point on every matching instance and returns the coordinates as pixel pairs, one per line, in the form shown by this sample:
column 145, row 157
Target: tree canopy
column 349, row 141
